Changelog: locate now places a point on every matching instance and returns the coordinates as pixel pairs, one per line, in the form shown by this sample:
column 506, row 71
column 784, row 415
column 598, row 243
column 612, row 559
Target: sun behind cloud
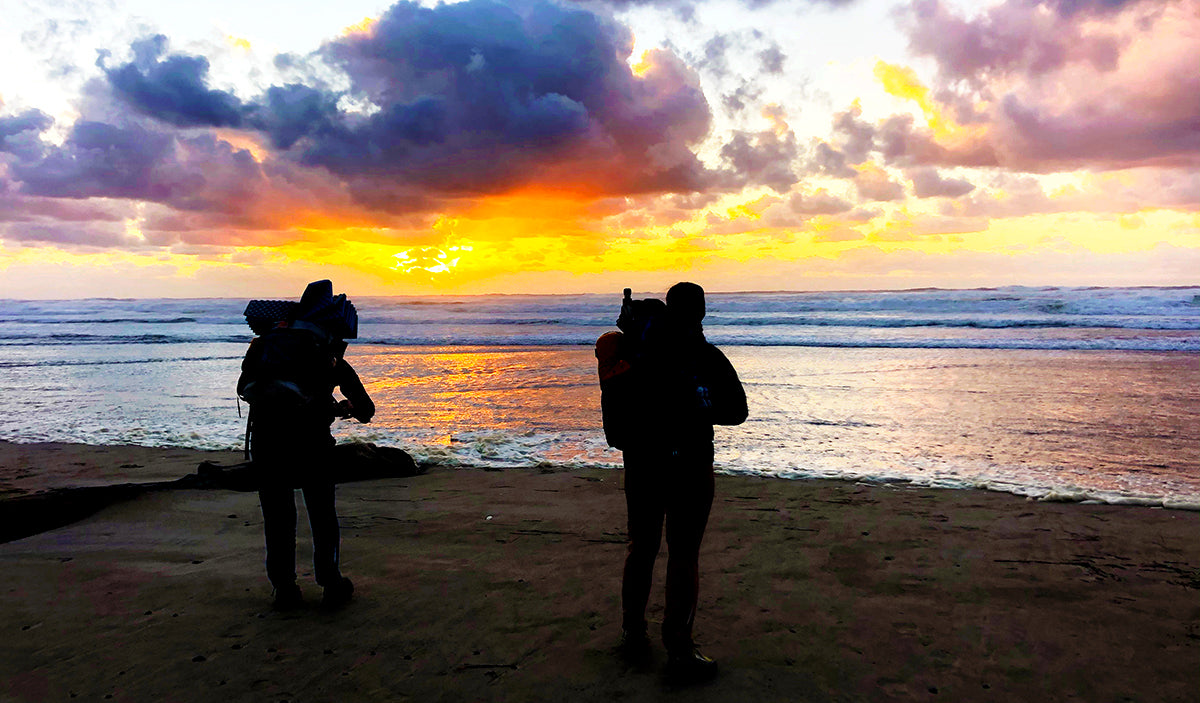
column 434, row 260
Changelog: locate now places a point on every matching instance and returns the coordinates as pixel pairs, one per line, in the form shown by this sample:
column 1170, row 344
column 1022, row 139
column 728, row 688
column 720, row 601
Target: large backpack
column 290, row 374
column 625, row 393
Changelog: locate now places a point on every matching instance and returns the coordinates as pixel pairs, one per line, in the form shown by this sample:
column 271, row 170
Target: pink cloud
column 1100, row 85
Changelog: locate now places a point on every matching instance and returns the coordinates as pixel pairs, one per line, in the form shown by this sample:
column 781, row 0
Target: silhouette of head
column 685, row 301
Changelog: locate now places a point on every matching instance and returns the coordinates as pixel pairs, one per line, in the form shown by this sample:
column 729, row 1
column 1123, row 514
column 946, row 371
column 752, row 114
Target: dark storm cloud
column 464, row 98
column 473, row 94
column 172, row 89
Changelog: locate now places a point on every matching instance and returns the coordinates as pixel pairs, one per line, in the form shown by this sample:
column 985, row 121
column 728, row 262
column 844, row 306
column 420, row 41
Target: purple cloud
column 1068, row 84
column 100, row 160
column 468, row 98
column 928, row 183
column 763, row 157
column 20, row 134
column 172, row 89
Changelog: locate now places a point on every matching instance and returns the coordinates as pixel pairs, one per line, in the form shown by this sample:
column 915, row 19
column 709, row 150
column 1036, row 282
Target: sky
column 157, row 148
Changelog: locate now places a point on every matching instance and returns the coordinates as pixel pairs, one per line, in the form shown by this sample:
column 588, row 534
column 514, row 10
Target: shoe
column 634, row 646
column 338, row 593
column 287, row 598
column 690, row 667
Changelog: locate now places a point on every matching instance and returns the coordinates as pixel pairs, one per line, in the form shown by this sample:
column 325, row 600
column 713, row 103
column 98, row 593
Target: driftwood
column 351, row 462
column 26, row 515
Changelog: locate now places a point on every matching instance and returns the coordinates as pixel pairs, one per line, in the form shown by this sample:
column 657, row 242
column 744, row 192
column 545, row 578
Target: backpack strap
column 249, row 429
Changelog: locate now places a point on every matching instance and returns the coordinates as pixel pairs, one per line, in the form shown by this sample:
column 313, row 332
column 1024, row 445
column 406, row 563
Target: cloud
column 686, row 8
column 459, row 100
column 820, row 202
column 765, row 157
column 1012, row 37
column 825, row 159
column 874, row 183
column 20, row 134
column 172, row 89
column 772, row 59
column 96, row 234
column 427, row 110
column 1133, row 190
column 1064, row 85
column 100, row 160
column 480, row 97
column 855, row 136
column 928, row 183
column 17, row 208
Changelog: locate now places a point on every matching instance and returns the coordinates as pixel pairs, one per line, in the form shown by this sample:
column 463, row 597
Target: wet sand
column 477, row 585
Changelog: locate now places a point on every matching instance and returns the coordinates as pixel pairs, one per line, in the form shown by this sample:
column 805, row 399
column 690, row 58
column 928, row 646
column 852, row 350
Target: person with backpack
column 288, row 377
column 663, row 387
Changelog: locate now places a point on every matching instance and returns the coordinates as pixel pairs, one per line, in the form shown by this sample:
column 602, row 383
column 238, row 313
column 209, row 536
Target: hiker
column 288, row 377
column 663, row 388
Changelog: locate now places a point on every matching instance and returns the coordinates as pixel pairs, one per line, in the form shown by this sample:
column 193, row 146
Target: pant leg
column 279, row 527
column 644, row 503
column 326, row 536
column 688, row 506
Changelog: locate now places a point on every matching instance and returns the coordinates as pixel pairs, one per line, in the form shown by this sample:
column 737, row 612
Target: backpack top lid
column 332, row 313
column 639, row 315
column 318, row 306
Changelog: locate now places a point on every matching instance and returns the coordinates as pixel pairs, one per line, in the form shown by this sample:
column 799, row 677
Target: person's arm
column 728, row 397
column 248, row 369
column 362, row 408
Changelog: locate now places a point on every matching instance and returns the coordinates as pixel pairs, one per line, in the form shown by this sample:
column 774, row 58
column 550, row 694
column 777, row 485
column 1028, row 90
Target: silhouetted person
column 288, row 376
column 684, row 386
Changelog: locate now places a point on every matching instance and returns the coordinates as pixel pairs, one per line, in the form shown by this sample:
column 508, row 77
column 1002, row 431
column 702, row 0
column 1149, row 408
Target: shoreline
column 182, row 461
column 503, row 585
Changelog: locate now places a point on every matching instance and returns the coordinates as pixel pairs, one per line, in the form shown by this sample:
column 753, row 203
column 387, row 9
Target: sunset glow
column 422, row 149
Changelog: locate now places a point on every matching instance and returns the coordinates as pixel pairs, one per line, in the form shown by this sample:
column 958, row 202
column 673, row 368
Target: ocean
column 1083, row 394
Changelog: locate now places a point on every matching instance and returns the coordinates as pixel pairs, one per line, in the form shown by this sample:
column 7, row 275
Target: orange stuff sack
column 608, row 356
column 618, row 396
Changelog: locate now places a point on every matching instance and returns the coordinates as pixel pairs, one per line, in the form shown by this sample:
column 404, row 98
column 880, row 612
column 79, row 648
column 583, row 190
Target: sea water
column 1058, row 393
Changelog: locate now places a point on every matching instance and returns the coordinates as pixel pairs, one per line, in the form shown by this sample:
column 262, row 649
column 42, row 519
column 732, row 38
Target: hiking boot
column 690, row 667
column 337, row 593
column 287, row 598
column 634, row 647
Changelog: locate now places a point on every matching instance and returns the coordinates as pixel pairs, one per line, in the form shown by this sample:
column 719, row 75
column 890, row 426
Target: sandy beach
column 503, row 585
